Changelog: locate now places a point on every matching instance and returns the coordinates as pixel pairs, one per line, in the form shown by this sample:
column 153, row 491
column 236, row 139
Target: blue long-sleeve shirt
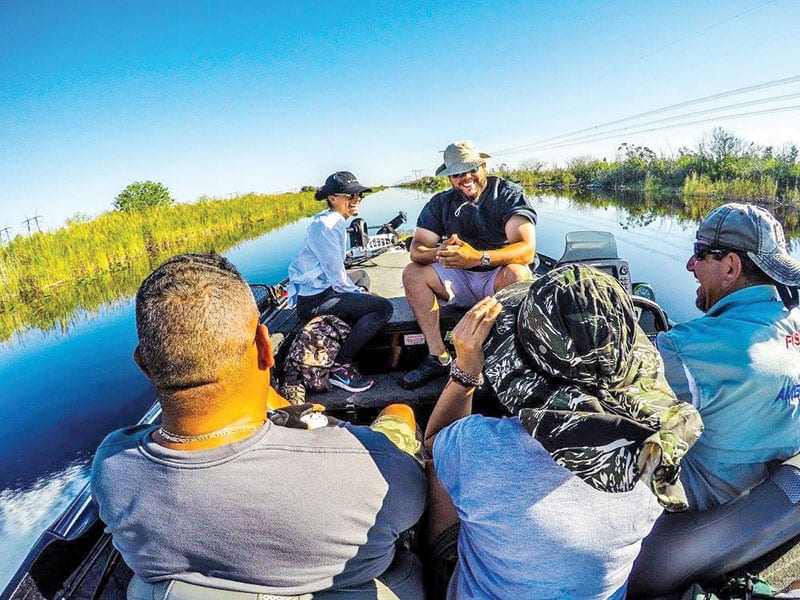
column 320, row 262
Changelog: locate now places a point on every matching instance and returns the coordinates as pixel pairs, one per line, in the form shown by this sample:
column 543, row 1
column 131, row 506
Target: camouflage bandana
column 568, row 357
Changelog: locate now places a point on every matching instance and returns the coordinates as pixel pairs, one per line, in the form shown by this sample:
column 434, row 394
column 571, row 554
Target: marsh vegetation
column 46, row 277
column 722, row 167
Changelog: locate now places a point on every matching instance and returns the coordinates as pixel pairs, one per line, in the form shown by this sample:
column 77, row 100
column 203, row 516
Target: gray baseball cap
column 460, row 157
column 751, row 229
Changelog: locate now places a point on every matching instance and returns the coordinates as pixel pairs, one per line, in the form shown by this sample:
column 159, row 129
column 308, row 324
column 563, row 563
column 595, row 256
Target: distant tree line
column 722, row 165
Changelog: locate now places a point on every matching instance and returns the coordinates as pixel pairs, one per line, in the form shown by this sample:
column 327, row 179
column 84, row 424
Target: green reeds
column 46, row 277
column 764, row 188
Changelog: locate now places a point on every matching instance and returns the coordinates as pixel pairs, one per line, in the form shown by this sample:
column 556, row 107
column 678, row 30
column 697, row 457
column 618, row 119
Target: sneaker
column 430, row 369
column 348, row 378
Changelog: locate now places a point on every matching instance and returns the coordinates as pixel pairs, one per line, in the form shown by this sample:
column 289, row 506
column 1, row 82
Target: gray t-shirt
column 529, row 527
column 284, row 511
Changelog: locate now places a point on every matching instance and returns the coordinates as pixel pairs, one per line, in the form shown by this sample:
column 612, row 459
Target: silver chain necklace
column 186, row 439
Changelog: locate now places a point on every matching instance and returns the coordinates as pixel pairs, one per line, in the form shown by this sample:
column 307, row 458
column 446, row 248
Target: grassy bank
column 46, row 277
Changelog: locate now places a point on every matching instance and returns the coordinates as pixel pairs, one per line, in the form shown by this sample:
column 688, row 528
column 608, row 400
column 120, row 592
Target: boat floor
column 398, row 348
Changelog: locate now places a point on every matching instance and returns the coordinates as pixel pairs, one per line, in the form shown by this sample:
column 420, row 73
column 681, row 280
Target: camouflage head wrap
column 568, row 357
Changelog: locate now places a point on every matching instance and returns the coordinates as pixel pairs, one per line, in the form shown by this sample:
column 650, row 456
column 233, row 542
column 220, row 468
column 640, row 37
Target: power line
column 638, row 116
column 636, row 130
column 707, row 28
column 629, row 128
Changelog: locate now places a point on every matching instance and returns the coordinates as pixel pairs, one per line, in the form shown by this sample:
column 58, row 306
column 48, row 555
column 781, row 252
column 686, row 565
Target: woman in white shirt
column 319, row 284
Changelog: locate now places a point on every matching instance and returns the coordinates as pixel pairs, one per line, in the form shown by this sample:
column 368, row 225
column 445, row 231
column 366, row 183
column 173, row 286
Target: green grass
column 46, row 277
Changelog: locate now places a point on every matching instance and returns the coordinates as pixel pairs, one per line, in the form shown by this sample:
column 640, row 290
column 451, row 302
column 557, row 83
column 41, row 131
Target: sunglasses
column 465, row 173
column 351, row 197
column 702, row 250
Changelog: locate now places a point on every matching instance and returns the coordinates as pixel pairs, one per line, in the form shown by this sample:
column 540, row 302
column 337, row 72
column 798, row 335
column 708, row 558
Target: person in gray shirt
column 221, row 497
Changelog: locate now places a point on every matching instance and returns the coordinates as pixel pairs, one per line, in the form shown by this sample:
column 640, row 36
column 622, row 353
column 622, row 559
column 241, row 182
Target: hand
column 292, row 416
column 471, row 331
column 455, row 253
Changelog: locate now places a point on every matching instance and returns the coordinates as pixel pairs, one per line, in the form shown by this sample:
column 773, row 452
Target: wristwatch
column 485, row 260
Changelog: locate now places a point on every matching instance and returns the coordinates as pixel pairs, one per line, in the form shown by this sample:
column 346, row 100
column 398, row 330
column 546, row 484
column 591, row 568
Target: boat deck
column 399, row 347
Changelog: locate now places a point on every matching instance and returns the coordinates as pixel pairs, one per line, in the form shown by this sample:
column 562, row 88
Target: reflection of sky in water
column 63, row 391
column 24, row 515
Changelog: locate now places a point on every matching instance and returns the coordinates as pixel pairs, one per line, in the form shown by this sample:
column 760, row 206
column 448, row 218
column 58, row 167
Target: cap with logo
column 341, row 182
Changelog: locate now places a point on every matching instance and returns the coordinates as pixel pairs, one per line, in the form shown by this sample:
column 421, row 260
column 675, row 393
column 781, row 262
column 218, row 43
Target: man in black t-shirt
column 471, row 241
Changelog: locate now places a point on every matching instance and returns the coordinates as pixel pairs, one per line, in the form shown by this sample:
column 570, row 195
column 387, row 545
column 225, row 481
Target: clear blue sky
column 215, row 98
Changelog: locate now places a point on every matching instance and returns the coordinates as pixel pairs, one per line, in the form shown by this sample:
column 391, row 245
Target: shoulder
column 331, row 218
column 125, row 438
column 441, row 200
column 510, row 199
column 508, row 187
column 118, row 444
column 465, row 432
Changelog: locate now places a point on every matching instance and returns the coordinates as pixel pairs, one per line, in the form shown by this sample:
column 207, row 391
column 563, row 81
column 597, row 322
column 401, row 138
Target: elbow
column 530, row 256
column 527, row 255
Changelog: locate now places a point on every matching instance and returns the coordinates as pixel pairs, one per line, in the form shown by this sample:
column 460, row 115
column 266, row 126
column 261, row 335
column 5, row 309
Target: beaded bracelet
column 461, row 377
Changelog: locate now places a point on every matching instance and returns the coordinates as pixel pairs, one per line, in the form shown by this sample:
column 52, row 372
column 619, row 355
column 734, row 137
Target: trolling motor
column 598, row 249
column 364, row 246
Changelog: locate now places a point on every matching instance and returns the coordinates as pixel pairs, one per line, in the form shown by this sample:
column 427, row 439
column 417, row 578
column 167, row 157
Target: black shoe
column 430, row 369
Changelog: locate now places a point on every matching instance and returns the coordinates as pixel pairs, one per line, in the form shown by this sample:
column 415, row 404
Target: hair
column 751, row 274
column 194, row 318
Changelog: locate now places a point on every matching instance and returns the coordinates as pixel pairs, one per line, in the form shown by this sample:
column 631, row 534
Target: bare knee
column 511, row 274
column 414, row 275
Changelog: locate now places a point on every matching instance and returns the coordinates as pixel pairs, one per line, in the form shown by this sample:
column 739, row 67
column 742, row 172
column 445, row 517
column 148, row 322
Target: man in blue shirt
column 319, row 284
column 471, row 241
column 739, row 364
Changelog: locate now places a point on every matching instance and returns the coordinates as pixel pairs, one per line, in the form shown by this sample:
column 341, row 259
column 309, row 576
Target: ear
column 732, row 270
column 137, row 358
column 264, row 346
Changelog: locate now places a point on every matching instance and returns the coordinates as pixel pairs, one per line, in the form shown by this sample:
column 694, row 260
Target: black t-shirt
column 481, row 224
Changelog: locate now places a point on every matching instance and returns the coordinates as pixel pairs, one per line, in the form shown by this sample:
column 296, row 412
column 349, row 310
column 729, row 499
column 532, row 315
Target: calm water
column 63, row 391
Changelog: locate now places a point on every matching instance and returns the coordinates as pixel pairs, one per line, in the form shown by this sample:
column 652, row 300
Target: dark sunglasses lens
column 465, row 173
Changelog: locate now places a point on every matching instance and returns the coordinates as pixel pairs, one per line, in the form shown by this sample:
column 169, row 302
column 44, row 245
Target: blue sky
column 217, row 98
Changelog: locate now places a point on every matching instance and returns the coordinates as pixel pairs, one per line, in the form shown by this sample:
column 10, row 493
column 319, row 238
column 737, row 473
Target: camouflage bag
column 313, row 351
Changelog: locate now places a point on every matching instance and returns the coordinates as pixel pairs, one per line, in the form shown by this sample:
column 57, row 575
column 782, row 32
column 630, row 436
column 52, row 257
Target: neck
column 219, row 437
column 226, row 415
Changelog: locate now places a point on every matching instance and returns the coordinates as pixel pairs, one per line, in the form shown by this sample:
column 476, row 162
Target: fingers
column 478, row 320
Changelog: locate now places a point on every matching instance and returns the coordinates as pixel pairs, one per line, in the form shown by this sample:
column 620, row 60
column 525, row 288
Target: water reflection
column 54, row 308
column 70, row 382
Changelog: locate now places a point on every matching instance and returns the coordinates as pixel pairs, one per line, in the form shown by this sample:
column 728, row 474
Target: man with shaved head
column 217, row 495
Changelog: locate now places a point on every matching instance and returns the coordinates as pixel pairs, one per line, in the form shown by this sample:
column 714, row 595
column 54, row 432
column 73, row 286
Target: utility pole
column 35, row 219
column 8, row 236
column 418, row 173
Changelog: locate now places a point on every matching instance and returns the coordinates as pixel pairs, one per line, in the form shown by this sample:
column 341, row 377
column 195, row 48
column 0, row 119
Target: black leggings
column 365, row 313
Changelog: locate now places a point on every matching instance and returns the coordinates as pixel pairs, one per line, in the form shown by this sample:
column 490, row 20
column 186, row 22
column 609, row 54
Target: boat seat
column 699, row 546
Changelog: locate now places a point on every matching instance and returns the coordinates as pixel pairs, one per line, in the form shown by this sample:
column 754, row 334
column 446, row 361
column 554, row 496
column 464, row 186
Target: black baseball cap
column 341, row 182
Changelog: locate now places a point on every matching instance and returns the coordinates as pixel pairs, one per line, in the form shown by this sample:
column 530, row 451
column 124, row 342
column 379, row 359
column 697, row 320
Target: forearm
column 423, row 255
column 520, row 253
column 455, row 401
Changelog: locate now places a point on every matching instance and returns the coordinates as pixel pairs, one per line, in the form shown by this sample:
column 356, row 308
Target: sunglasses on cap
column 351, row 197
column 702, row 250
column 465, row 173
